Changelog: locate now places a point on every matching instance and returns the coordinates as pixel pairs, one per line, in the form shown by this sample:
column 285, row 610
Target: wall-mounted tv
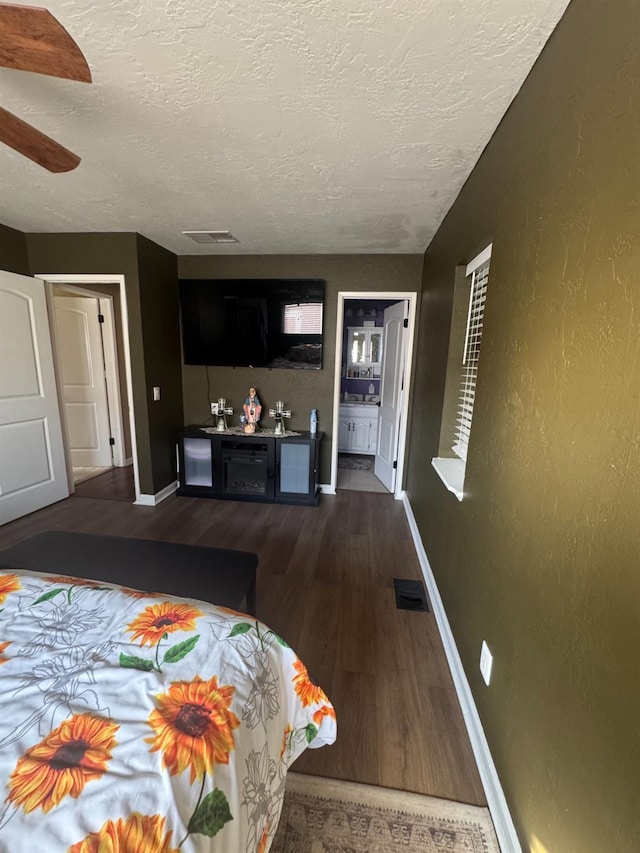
column 253, row 322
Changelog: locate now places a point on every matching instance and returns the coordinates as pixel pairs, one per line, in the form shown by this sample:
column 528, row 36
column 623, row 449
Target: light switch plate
column 156, row 392
column 486, row 662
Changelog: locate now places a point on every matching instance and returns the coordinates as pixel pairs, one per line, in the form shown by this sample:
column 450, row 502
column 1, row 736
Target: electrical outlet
column 486, row 662
column 214, row 406
column 156, row 392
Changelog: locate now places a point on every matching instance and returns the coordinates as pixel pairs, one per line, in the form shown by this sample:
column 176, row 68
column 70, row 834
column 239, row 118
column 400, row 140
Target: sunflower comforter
column 132, row 722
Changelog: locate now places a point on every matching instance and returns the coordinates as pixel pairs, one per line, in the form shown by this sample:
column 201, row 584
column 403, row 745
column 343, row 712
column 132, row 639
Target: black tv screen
column 253, row 322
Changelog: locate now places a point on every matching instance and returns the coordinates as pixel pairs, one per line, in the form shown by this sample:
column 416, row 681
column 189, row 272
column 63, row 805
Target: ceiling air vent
column 211, row 236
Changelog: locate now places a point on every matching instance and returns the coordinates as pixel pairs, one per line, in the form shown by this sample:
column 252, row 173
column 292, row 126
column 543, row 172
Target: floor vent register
column 410, row 594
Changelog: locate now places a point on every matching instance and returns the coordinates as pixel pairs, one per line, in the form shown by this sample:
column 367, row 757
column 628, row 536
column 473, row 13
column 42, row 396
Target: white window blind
column 303, row 319
column 479, row 271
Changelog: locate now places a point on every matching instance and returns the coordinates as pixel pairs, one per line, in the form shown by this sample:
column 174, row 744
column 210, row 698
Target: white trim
column 451, row 472
column 58, row 278
column 112, row 378
column 154, row 500
column 396, row 296
column 480, row 259
column 337, row 371
column 406, row 393
column 327, row 489
column 502, row 820
column 55, row 350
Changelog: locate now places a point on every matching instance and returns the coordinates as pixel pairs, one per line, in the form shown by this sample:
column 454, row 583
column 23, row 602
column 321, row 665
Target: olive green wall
column 13, row 251
column 301, row 390
column 158, row 280
column 541, row 558
column 85, row 254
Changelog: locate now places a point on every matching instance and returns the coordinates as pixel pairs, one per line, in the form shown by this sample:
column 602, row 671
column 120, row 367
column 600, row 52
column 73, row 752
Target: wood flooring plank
column 361, row 558
column 455, row 767
column 306, row 554
column 393, row 650
column 318, row 640
column 355, row 752
column 356, row 630
column 405, row 759
column 291, row 541
column 283, row 607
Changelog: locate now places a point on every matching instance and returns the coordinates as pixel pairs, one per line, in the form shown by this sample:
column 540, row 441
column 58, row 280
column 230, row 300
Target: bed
column 137, row 721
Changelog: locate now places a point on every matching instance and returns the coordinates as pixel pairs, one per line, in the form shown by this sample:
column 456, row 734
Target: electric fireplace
column 247, row 470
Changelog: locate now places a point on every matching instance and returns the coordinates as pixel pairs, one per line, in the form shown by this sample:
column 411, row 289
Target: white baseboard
column 327, row 489
column 502, row 821
column 154, row 500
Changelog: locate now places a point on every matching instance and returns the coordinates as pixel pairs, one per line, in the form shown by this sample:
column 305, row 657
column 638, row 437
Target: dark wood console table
column 259, row 467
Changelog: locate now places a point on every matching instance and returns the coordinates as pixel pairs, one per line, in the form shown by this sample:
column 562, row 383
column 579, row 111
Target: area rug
column 81, row 475
column 328, row 816
column 355, row 462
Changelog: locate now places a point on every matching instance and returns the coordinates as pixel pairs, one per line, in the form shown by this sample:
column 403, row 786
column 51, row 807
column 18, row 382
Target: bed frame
column 215, row 575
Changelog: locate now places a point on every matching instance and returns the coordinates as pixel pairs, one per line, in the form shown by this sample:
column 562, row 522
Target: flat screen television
column 253, row 322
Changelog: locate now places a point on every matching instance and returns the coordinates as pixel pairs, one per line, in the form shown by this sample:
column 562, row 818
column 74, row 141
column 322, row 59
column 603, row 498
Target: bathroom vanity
column 358, row 427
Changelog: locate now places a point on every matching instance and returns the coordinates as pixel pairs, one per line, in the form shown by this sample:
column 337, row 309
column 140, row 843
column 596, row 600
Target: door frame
column 395, row 296
column 82, row 285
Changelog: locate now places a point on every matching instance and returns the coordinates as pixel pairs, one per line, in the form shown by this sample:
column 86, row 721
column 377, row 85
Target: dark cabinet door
column 197, row 463
column 297, row 470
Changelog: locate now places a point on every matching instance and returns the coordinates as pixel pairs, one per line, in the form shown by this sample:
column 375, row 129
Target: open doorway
column 90, row 346
column 373, row 370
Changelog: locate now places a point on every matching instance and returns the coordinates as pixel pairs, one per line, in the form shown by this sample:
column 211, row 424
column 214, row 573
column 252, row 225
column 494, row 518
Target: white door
column 390, row 395
column 82, row 378
column 32, row 466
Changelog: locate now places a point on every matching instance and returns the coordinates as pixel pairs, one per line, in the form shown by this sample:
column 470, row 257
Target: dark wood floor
column 113, row 485
column 325, row 583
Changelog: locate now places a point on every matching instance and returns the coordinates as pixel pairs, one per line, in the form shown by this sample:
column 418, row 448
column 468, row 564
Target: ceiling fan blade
column 31, row 39
column 35, row 145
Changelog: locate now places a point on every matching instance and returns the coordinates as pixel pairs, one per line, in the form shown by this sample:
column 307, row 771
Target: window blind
column 470, row 358
column 303, row 319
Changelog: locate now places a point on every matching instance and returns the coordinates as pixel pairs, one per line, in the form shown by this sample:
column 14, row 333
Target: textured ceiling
column 302, row 126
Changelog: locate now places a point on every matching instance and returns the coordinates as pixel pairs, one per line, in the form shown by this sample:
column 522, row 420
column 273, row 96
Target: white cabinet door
column 375, row 350
column 358, row 347
column 360, row 435
column 364, row 355
column 373, row 435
